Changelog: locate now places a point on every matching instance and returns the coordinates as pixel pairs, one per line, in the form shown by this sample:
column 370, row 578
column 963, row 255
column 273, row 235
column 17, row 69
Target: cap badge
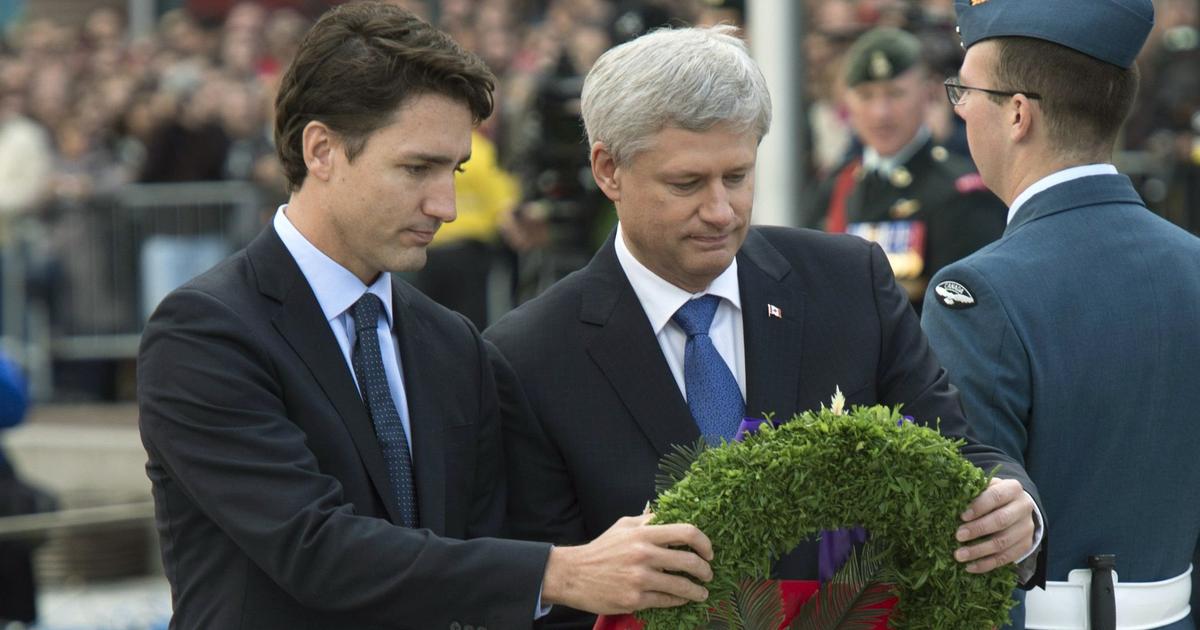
column 976, row 3
column 954, row 295
column 880, row 67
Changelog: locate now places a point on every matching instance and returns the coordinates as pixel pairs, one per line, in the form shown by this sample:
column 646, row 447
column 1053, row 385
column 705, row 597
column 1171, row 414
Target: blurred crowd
column 189, row 103
column 86, row 108
column 1165, row 126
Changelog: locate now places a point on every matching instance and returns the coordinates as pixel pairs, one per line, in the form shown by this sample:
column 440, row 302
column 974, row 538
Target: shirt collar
column 884, row 165
column 336, row 288
column 660, row 299
column 1056, row 178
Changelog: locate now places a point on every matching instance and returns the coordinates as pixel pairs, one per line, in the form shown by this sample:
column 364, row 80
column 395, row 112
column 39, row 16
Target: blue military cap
column 1109, row 30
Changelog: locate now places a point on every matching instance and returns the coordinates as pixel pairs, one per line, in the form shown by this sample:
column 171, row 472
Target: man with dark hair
column 924, row 205
column 319, row 435
column 1074, row 337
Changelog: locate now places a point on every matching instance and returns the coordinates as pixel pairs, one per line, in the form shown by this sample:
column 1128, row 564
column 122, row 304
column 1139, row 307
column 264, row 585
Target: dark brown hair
column 358, row 64
column 1085, row 100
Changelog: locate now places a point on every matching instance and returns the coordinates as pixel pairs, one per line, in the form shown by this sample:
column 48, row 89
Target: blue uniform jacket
column 1075, row 340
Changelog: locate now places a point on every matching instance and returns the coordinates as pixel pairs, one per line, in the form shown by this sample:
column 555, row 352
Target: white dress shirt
column 660, row 299
column 1054, row 179
column 337, row 289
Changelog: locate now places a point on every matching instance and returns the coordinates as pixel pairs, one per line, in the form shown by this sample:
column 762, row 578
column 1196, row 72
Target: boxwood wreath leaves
column 906, row 483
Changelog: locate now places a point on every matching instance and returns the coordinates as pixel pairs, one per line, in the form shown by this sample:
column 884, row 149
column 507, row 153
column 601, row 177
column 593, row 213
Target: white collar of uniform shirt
column 1056, row 178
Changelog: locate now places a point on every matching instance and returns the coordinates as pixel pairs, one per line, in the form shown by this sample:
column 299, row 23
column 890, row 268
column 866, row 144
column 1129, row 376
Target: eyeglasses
column 955, row 91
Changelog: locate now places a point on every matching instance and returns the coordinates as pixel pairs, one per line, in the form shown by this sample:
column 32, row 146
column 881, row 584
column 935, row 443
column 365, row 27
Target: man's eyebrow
column 687, row 173
column 435, row 158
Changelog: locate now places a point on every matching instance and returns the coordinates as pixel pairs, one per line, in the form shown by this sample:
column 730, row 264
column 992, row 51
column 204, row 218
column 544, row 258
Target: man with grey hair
column 688, row 319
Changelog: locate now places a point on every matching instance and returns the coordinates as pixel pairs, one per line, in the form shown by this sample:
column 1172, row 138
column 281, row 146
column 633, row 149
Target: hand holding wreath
column 1000, row 524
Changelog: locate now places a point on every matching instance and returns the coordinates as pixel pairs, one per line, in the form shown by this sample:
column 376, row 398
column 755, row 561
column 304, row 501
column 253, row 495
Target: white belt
column 1140, row 605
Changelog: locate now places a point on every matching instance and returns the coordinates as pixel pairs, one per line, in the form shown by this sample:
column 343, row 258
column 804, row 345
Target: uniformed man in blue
column 1075, row 338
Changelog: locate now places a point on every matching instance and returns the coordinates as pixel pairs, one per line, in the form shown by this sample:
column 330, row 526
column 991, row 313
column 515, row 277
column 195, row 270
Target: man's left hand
column 999, row 524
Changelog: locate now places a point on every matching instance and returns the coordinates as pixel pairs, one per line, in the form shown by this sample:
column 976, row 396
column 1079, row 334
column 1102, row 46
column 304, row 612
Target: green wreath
column 905, row 483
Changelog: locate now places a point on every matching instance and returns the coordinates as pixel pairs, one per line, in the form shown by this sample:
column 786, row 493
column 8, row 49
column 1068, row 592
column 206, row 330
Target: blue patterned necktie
column 372, row 382
column 713, row 394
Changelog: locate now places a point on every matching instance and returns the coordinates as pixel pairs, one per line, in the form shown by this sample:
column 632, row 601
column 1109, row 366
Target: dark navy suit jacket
column 590, row 405
column 270, row 489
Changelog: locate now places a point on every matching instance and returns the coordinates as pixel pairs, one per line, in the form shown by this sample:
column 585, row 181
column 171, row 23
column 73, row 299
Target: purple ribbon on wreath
column 835, row 544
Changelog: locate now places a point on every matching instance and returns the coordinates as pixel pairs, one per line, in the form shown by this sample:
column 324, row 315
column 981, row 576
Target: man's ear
column 319, row 144
column 606, row 172
column 1023, row 114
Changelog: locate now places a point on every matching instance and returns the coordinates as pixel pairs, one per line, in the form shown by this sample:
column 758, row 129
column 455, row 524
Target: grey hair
column 690, row 78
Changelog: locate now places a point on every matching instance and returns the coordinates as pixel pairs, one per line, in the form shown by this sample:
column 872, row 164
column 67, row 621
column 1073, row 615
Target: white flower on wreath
column 838, row 404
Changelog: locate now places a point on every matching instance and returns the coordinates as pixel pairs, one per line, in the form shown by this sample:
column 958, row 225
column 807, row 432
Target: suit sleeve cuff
column 1027, row 564
column 541, row 611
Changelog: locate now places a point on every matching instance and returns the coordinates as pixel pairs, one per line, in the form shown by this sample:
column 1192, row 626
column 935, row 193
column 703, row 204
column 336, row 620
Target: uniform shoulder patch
column 969, row 183
column 954, row 295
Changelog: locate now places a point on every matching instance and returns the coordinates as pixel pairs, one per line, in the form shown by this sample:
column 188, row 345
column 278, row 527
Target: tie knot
column 695, row 316
column 366, row 312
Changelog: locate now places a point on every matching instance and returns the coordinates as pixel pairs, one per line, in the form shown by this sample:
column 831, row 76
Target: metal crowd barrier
column 38, row 525
column 88, row 545
column 80, row 280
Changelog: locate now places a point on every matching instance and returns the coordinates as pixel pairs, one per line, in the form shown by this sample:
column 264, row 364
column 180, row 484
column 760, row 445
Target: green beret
column 881, row 54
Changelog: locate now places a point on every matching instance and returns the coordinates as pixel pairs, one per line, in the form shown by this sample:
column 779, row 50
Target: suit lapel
column 425, row 423
column 772, row 338
column 628, row 354
column 302, row 324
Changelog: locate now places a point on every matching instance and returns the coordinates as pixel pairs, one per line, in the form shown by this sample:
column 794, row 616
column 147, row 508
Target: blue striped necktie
column 713, row 394
column 372, row 382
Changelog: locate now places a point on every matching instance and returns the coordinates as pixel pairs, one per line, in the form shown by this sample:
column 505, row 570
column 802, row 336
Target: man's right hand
column 626, row 568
